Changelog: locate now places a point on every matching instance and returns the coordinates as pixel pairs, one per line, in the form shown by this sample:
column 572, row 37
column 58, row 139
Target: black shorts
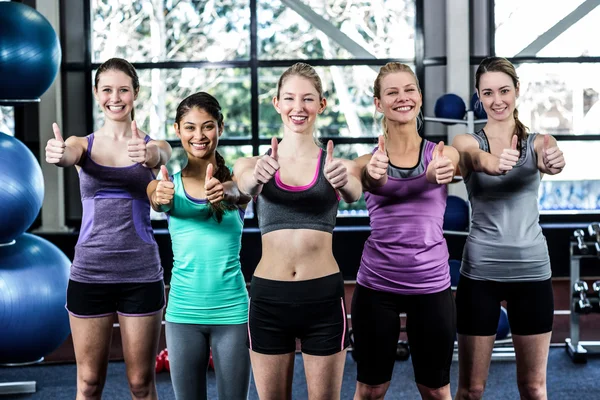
column 530, row 306
column 312, row 310
column 87, row 300
column 430, row 327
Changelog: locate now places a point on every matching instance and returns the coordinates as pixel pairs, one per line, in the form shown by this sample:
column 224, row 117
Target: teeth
column 116, row 108
column 199, row 145
column 406, row 108
column 298, row 118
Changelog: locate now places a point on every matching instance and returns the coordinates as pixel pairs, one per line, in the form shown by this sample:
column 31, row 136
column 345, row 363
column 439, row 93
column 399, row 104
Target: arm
column 158, row 152
column 65, row 153
column 444, row 165
column 233, row 195
column 243, row 169
column 352, row 190
column 472, row 158
column 550, row 158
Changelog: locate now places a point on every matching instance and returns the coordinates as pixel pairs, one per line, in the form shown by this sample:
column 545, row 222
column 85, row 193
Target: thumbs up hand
column 444, row 168
column 165, row 190
column 553, row 157
column 509, row 157
column 378, row 165
column 55, row 148
column 335, row 170
column 213, row 187
column 136, row 146
column 267, row 165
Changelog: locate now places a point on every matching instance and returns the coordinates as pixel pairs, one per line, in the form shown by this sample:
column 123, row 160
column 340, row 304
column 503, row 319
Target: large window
column 7, row 120
column 558, row 60
column 237, row 49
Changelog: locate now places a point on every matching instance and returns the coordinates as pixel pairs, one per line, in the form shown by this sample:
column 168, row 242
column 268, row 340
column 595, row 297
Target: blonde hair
column 501, row 64
column 391, row 68
column 302, row 70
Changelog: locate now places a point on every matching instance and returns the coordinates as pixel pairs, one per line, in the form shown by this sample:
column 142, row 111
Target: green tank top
column 207, row 284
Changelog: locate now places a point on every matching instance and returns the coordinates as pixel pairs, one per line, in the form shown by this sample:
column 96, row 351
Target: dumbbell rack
column 579, row 350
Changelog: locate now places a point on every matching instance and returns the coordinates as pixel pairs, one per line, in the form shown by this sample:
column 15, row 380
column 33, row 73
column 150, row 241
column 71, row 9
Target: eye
column 106, row 90
column 309, row 99
column 504, row 91
column 288, row 98
column 410, row 90
column 392, row 93
column 124, row 90
column 486, row 93
column 209, row 127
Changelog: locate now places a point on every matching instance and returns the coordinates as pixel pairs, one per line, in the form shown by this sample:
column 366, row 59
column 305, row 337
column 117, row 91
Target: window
column 182, row 46
column 7, row 120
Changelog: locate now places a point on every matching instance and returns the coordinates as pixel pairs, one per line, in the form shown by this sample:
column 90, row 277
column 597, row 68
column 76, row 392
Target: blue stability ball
column 22, row 191
column 33, row 290
column 477, row 107
column 456, row 216
column 450, row 106
column 454, row 272
column 30, row 52
column 503, row 326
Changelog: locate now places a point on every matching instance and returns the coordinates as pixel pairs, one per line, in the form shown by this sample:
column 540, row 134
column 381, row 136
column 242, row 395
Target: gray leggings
column 189, row 348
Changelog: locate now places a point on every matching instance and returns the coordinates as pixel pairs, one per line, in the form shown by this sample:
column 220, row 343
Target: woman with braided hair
column 208, row 301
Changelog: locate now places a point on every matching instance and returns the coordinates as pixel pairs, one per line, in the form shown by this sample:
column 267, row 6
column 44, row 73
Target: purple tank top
column 406, row 252
column 116, row 243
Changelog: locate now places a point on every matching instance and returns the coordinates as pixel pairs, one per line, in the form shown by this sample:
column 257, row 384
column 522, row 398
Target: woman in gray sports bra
column 505, row 257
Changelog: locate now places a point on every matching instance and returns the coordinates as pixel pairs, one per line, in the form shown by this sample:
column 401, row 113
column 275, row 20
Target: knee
column 141, row 386
column 470, row 393
column 532, row 390
column 370, row 392
column 90, row 387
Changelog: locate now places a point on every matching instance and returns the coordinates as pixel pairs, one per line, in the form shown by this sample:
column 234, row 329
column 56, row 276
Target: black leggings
column 430, row 326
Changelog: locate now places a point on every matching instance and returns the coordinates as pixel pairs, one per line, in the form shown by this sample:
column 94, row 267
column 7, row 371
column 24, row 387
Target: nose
column 114, row 96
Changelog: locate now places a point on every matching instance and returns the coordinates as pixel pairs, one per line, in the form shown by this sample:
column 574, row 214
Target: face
column 298, row 104
column 498, row 95
column 199, row 133
column 115, row 95
column 400, row 98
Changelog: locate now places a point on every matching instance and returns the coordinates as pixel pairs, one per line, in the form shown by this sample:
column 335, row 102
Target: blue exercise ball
column 450, row 106
column 454, row 272
column 30, row 52
column 477, row 107
column 503, row 325
column 22, row 193
column 456, row 216
column 34, row 275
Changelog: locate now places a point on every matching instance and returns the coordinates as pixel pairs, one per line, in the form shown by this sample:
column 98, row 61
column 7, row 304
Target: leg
column 324, row 375
column 532, row 361
column 531, row 316
column 91, row 342
column 272, row 375
column 431, row 328
column 232, row 360
column 376, row 326
column 477, row 312
column 189, row 347
column 140, row 344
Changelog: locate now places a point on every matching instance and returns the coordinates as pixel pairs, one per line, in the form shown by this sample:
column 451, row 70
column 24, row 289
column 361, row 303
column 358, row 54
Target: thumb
column 439, row 149
column 164, row 173
column 57, row 134
column 209, row 173
column 513, row 144
column 134, row 130
column 546, row 141
column 382, row 144
column 274, row 144
column 329, row 152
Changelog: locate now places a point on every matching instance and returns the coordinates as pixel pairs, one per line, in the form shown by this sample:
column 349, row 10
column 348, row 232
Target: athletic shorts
column 87, row 300
column 312, row 311
column 530, row 306
column 430, row 327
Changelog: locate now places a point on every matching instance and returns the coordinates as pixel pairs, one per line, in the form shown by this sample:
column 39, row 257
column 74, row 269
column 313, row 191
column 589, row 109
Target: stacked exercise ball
column 457, row 214
column 477, row 107
column 30, row 53
column 450, row 106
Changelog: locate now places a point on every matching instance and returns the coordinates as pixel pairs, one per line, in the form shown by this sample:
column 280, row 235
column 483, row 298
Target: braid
column 520, row 128
column 223, row 175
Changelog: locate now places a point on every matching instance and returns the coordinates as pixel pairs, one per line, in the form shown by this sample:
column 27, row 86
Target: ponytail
column 520, row 128
column 223, row 175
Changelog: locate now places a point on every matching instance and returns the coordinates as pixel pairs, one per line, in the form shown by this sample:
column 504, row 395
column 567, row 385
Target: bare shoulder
column 464, row 141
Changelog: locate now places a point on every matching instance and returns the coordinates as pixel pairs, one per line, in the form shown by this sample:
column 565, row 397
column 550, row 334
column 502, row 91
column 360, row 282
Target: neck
column 197, row 166
column 402, row 137
column 500, row 129
column 116, row 129
column 297, row 145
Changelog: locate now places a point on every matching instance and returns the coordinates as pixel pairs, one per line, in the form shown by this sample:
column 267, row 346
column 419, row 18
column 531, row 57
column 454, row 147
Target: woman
column 505, row 255
column 116, row 269
column 404, row 266
column 297, row 290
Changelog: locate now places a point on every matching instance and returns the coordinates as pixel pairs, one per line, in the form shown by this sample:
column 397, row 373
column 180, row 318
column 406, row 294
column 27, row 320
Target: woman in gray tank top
column 505, row 257
column 297, row 290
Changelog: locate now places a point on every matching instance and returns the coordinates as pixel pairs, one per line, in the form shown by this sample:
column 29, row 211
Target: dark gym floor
column 565, row 380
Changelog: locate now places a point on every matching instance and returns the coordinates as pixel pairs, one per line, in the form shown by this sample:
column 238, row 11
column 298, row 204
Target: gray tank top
column 506, row 241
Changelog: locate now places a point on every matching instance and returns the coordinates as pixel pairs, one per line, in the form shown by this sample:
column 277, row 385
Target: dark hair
column 119, row 64
column 501, row 64
column 391, row 68
column 208, row 103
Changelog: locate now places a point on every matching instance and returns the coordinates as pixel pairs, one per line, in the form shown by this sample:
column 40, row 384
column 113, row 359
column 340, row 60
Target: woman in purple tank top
column 404, row 266
column 116, row 269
